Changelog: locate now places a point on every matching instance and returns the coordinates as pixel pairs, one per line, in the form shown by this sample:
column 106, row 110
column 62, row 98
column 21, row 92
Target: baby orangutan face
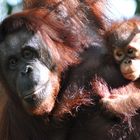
column 128, row 57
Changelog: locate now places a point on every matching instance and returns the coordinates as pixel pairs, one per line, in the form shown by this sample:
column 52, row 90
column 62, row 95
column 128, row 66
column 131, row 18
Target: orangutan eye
column 12, row 62
column 118, row 55
column 28, row 54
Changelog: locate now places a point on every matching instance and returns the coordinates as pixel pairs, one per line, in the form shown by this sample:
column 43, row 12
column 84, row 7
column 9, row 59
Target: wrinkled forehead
column 15, row 39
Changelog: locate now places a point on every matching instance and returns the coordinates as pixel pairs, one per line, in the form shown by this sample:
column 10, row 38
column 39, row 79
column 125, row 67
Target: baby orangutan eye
column 131, row 52
column 118, row 55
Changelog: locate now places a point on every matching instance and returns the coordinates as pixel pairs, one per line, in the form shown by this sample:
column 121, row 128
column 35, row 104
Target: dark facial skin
column 129, row 58
column 26, row 75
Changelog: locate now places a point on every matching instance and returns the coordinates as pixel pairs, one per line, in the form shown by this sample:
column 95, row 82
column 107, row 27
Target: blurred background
column 119, row 8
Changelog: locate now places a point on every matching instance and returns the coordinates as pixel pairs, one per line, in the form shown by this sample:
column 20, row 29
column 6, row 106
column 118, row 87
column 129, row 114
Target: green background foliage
column 138, row 6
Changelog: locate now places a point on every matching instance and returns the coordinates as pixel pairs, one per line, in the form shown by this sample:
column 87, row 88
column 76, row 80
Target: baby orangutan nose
column 127, row 61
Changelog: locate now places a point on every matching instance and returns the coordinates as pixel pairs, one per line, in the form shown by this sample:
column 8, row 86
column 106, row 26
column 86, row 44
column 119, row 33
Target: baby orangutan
column 123, row 43
column 126, row 49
